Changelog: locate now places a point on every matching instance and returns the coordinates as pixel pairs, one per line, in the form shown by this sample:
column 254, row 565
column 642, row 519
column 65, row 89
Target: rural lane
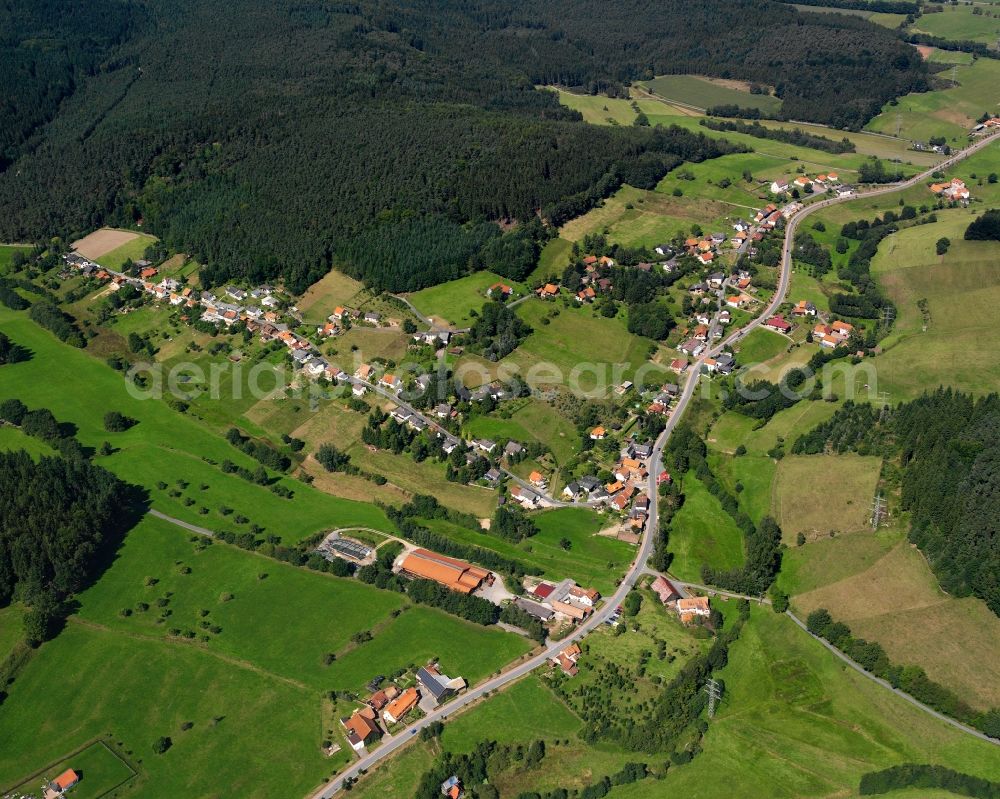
column 638, row 566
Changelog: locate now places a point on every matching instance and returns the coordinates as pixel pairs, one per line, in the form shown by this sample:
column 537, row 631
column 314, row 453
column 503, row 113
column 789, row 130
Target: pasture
column 930, row 345
column 949, row 112
column 138, row 689
column 703, row 534
column 821, row 494
column 11, row 438
column 761, row 346
column 958, row 23
column 100, row 770
column 890, row 595
column 333, row 289
column 457, row 302
column 796, row 722
column 635, row 217
column 701, row 93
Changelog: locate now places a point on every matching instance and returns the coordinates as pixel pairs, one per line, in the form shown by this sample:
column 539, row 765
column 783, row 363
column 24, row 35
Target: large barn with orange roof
column 449, row 572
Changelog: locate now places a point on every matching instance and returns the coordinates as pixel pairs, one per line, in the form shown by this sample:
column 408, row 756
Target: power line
column 879, row 509
column 714, row 695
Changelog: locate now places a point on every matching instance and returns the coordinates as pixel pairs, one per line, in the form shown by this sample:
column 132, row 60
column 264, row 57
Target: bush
column 162, row 744
column 115, row 422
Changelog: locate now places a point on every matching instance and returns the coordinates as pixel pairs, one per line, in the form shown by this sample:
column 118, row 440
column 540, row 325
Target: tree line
column 928, row 777
column 795, row 136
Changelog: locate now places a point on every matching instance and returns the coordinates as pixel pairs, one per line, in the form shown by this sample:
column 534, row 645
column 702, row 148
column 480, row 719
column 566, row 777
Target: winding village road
column 638, row 568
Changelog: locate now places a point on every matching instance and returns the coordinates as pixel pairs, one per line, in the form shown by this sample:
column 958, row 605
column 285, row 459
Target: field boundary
column 95, row 741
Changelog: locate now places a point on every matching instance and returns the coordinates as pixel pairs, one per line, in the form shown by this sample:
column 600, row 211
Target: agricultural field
column 885, row 591
column 333, row 289
column 100, row 768
column 797, row 722
column 139, row 689
column 635, row 217
column 702, row 533
column 930, row 345
column 733, row 429
column 701, row 93
column 601, row 110
column 959, row 23
column 455, row 302
column 950, row 112
column 131, row 249
column 818, row 495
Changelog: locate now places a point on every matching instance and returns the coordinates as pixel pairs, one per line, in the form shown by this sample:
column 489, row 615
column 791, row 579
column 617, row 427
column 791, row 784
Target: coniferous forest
column 276, row 139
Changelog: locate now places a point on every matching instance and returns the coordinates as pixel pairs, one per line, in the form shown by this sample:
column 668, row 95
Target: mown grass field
column 703, row 534
column 554, row 258
column 945, row 112
column 760, row 346
column 961, row 290
column 756, row 476
column 165, row 446
column 568, row 339
column 702, row 93
column 133, row 250
column 819, row 494
column 139, row 689
column 333, row 289
column 100, row 770
column 958, row 23
column 734, row 429
column 13, row 439
column 635, row 217
column 796, row 722
column 885, row 591
column 455, row 301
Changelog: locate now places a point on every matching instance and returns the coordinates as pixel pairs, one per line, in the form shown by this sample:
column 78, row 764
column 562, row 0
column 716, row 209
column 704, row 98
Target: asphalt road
column 638, row 566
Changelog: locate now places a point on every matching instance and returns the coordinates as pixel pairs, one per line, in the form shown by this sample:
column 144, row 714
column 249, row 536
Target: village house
column 778, row 324
column 547, row 291
column 438, row 686
column 692, row 347
column 692, row 607
column 62, row 783
column 566, row 659
column 400, row 706
column 706, row 257
column 452, row 788
column 679, row 365
column 538, row 480
column 804, row 308
column 535, row 609
column 360, row 729
column 665, row 590
column 779, row 186
column 500, row 291
column 528, row 499
column 953, row 190
column 716, row 279
column 598, row 433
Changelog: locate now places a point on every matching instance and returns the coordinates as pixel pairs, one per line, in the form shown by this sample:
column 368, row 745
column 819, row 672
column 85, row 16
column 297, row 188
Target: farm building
column 449, row 572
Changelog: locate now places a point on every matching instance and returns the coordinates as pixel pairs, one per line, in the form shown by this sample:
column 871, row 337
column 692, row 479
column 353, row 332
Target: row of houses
column 805, row 183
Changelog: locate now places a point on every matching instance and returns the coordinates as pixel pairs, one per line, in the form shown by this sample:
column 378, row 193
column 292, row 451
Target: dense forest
column 947, row 445
column 57, row 515
column 277, row 139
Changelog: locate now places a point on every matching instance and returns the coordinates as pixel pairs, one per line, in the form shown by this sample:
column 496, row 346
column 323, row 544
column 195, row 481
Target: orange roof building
column 400, row 706
column 359, row 729
column 449, row 572
column 690, row 607
column 66, row 780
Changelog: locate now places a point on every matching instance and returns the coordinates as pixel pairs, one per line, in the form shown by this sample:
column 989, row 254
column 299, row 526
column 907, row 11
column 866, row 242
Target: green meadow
column 132, row 250
column 702, row 93
column 457, row 302
column 7, row 255
column 703, row 534
column 947, row 112
column 94, row 681
column 960, row 23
